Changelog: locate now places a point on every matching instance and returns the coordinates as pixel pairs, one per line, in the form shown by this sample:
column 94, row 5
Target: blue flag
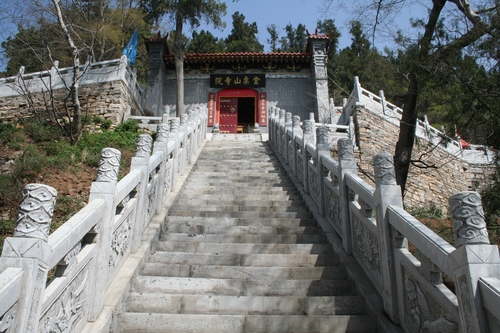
column 131, row 49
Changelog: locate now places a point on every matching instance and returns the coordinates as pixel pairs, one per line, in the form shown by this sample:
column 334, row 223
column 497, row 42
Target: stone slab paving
column 240, row 252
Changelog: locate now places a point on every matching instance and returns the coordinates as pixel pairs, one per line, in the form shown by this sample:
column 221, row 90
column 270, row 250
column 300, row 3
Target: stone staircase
column 240, row 252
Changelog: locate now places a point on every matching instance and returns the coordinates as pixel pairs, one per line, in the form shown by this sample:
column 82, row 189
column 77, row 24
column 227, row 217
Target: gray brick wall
column 294, row 94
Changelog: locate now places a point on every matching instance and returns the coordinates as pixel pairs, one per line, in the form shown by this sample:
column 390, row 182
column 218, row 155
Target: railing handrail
column 88, row 250
column 374, row 228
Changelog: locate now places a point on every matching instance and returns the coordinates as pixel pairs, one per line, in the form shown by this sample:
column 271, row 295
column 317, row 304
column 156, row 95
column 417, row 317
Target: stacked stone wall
column 433, row 179
column 109, row 100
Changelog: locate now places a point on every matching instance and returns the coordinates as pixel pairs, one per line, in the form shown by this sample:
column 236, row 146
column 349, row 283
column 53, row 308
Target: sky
column 308, row 12
column 283, row 12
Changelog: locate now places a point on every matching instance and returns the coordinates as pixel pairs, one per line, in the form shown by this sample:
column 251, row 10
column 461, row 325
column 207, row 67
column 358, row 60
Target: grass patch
column 43, row 152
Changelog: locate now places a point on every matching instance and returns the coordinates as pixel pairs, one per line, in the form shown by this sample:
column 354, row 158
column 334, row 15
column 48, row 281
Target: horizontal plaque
column 237, row 80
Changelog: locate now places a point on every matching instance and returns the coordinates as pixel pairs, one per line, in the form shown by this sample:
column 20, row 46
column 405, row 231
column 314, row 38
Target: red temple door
column 228, row 115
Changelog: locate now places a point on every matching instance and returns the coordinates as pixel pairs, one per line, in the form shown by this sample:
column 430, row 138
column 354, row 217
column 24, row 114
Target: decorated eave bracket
column 269, row 67
column 207, row 69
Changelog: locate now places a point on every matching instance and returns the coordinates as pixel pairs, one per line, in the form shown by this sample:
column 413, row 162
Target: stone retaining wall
column 437, row 176
column 109, row 100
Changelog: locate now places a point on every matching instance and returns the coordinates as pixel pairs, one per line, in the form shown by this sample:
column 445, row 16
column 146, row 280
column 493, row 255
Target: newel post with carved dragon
column 104, row 187
column 474, row 256
column 28, row 249
column 347, row 164
column 387, row 192
column 140, row 162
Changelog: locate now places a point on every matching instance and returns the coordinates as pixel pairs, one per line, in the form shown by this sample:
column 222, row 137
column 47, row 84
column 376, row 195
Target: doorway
column 237, row 110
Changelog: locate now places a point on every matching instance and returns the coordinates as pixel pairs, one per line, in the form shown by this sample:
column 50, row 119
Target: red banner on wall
column 262, row 109
column 211, row 108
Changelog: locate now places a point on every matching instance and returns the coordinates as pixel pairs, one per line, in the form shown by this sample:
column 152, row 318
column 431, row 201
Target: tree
column 243, row 36
column 184, row 12
column 205, row 42
column 273, row 37
column 446, row 35
column 295, row 40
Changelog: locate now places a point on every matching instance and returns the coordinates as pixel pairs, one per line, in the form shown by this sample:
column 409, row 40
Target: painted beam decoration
column 237, row 80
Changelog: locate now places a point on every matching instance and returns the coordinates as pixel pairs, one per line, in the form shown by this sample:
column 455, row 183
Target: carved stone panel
column 69, row 309
column 421, row 315
column 366, row 247
column 332, row 207
column 7, row 319
column 119, row 242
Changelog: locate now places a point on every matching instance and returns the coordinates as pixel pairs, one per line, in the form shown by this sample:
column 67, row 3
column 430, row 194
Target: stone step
column 233, row 222
column 243, row 248
column 199, row 229
column 241, row 184
column 188, row 323
column 233, row 287
column 240, row 190
column 198, row 207
column 180, row 211
column 237, row 305
column 243, row 197
column 230, row 201
column 237, row 181
column 228, row 259
column 334, row 273
column 262, row 239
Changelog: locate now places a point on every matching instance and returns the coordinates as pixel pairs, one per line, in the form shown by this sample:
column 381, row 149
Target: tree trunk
column 406, row 139
column 76, row 122
column 408, row 123
column 179, row 64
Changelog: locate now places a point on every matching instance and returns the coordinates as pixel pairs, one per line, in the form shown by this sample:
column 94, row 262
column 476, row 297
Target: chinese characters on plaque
column 237, row 80
column 262, row 109
column 211, row 108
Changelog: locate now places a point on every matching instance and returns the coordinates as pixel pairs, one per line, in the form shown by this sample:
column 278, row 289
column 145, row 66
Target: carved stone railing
column 374, row 230
column 377, row 104
column 56, row 78
column 56, row 283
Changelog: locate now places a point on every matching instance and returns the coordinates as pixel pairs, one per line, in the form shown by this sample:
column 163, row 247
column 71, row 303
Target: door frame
column 235, row 93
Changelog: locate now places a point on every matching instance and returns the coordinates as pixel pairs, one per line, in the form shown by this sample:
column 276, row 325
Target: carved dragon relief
column 332, row 206
column 65, row 312
column 168, row 180
column 151, row 202
column 366, row 246
column 313, row 183
column 466, row 303
column 119, row 242
column 418, row 316
column 7, row 319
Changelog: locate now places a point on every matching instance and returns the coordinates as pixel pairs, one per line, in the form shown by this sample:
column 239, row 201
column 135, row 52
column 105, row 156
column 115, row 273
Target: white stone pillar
column 28, row 249
column 141, row 162
column 161, row 144
column 104, row 187
column 347, row 164
column 387, row 192
column 475, row 258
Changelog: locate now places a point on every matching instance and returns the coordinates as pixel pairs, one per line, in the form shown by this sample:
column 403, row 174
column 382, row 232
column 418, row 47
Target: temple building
column 239, row 88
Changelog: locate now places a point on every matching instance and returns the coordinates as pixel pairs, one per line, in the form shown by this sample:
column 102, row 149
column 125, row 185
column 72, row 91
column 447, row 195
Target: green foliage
column 205, row 42
column 295, row 39
column 243, row 36
column 430, row 211
column 40, row 131
column 11, row 136
column 48, row 154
